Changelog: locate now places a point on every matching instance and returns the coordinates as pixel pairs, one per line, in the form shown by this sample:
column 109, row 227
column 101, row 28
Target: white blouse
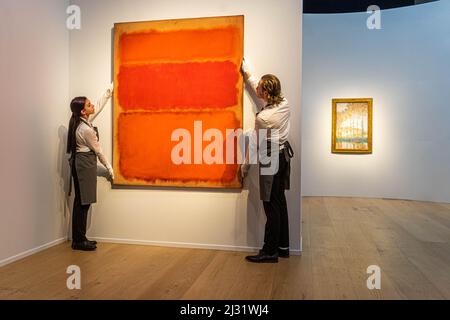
column 272, row 116
column 87, row 137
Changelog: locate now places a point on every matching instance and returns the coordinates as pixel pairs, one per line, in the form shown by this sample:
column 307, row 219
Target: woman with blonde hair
column 274, row 119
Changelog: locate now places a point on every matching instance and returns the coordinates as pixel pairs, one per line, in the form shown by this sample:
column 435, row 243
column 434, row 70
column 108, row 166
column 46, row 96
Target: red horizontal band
column 186, row 85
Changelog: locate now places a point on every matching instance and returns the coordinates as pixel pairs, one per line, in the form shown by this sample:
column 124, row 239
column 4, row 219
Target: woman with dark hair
column 272, row 124
column 83, row 145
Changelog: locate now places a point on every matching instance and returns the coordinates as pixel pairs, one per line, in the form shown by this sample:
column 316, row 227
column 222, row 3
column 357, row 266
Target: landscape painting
column 352, row 126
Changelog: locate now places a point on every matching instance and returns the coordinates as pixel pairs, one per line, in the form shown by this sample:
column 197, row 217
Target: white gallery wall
column 34, row 82
column 189, row 217
column 405, row 68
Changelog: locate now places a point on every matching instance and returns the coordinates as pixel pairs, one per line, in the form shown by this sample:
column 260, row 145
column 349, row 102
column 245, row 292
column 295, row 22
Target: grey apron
column 85, row 165
column 86, row 168
column 266, row 181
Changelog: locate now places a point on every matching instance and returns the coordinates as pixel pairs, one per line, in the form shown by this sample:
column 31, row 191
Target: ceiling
column 341, row 6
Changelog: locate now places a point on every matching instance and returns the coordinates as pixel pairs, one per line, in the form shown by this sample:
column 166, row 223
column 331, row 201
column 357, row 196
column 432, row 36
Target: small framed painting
column 352, row 126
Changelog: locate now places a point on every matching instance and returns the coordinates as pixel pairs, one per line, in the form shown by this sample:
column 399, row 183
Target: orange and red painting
column 170, row 75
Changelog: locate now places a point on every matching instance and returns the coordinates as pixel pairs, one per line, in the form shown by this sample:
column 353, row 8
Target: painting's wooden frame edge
column 178, row 19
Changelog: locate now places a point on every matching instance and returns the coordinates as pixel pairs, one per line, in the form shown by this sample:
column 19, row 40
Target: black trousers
column 276, row 233
column 79, row 212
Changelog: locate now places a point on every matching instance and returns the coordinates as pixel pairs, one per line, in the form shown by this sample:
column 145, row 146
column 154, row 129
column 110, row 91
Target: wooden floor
column 409, row 240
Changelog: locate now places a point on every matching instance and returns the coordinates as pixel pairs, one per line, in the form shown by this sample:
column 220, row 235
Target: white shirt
column 86, row 136
column 273, row 116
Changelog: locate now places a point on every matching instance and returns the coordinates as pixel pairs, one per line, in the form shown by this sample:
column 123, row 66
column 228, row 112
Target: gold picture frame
column 352, row 126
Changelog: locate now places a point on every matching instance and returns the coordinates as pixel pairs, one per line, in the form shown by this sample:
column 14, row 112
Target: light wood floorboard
column 408, row 240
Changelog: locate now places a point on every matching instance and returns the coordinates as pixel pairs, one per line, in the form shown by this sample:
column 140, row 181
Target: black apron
column 266, row 181
column 86, row 169
column 85, row 165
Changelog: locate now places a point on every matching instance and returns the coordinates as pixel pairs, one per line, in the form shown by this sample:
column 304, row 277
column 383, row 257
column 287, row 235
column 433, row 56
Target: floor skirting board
column 31, row 251
column 182, row 245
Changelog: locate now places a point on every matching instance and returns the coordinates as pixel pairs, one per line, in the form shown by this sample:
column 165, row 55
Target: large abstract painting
column 352, row 126
column 178, row 95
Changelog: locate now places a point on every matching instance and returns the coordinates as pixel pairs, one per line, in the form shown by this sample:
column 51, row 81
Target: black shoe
column 263, row 257
column 283, row 253
column 93, row 242
column 84, row 246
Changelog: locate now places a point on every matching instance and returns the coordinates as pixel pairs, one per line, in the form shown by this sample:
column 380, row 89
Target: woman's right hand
column 245, row 70
column 244, row 170
column 243, row 66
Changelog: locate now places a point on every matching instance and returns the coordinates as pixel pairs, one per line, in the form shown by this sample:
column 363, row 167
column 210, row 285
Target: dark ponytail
column 76, row 106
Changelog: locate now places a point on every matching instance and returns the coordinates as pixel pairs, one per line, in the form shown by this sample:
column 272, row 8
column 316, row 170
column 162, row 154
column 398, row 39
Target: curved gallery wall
column 405, row 68
column 190, row 217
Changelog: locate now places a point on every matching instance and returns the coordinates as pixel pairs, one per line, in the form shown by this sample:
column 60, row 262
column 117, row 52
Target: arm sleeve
column 260, row 123
column 252, row 83
column 92, row 142
column 100, row 105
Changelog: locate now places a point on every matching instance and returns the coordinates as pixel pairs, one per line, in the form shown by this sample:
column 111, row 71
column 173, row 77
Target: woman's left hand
column 110, row 89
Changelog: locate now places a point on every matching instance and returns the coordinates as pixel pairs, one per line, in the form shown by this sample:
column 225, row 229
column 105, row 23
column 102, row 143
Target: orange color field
column 168, row 75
